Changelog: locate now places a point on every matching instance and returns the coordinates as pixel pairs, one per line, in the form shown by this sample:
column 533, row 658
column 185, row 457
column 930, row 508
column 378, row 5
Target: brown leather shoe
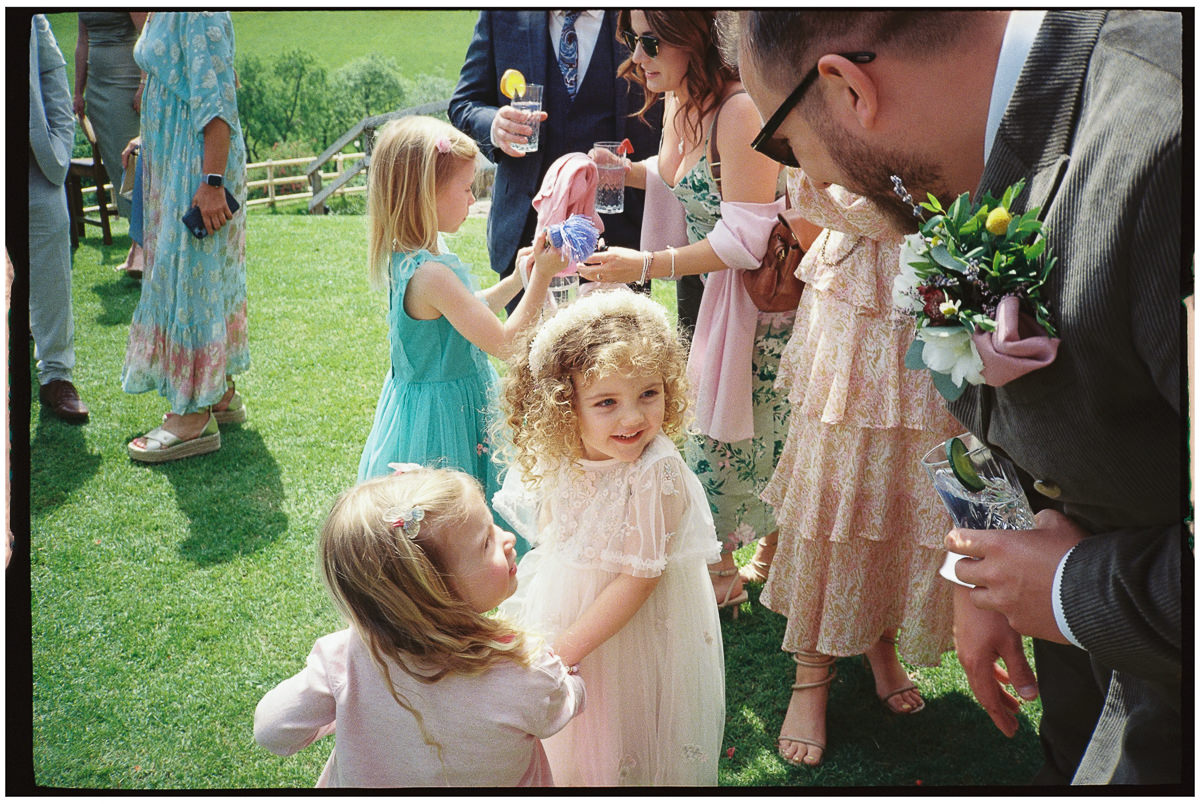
column 63, row 400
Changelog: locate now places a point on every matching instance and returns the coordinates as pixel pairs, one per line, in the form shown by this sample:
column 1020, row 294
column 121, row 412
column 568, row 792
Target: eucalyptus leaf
column 944, row 258
column 912, row 358
column 946, row 387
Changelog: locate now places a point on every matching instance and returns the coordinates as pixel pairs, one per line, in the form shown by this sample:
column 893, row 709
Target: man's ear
column 854, row 92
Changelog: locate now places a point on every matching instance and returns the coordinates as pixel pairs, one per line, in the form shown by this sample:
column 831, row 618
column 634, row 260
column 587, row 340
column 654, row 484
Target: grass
column 167, row 600
column 429, row 42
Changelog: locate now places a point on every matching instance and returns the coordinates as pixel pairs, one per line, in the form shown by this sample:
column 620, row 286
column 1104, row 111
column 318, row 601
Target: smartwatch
column 214, row 179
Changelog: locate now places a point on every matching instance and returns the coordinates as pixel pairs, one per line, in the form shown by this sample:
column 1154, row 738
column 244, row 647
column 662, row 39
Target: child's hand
column 546, row 260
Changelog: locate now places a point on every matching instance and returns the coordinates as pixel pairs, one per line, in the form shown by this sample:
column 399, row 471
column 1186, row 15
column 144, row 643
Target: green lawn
column 420, row 42
column 166, row 600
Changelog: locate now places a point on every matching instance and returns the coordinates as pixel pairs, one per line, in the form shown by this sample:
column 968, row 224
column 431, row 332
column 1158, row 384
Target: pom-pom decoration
column 575, row 239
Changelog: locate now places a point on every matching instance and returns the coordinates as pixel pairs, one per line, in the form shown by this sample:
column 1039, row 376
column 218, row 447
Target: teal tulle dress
column 440, row 395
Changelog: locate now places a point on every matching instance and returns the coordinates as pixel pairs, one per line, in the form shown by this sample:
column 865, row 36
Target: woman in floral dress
column 860, row 527
column 730, row 204
column 188, row 335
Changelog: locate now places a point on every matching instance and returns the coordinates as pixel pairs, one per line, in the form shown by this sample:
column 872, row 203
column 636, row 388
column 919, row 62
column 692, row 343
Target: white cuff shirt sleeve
column 1060, row 617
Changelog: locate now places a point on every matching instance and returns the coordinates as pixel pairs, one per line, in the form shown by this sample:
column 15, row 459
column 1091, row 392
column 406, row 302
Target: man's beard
column 868, row 173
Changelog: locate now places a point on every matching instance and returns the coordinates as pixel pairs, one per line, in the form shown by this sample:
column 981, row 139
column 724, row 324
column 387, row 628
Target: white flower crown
column 588, row 308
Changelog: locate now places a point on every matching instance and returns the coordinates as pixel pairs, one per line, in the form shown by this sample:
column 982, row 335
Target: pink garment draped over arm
column 722, row 354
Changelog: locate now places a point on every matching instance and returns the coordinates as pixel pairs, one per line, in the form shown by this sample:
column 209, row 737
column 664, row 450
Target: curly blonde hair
column 604, row 332
column 394, row 589
column 407, row 166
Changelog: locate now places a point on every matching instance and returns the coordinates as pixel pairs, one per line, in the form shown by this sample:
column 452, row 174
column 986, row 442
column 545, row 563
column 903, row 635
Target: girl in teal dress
column 439, row 397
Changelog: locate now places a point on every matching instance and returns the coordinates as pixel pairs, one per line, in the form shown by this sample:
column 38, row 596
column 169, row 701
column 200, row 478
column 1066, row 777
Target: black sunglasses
column 649, row 43
column 766, row 143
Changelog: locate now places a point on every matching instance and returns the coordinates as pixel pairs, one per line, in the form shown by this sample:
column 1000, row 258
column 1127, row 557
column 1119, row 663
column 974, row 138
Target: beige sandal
column 759, row 567
column 886, row 700
column 233, row 411
column 162, row 445
column 824, row 682
column 734, row 603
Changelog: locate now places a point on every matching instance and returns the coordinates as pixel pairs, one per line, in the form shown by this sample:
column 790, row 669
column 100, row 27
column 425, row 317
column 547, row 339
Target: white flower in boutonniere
column 972, row 278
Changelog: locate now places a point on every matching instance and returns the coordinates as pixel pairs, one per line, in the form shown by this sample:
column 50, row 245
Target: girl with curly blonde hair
column 423, row 688
column 622, row 535
column 436, row 398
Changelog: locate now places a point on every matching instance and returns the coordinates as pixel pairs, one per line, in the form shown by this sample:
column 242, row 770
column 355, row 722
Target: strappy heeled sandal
column 758, row 568
column 730, row 602
column 824, row 682
column 162, row 445
column 234, row 411
column 886, row 700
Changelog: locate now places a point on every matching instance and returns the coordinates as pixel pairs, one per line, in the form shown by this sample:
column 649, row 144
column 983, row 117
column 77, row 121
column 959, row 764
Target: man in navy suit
column 598, row 110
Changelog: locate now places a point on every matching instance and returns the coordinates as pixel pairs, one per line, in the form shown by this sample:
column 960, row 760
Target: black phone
column 195, row 223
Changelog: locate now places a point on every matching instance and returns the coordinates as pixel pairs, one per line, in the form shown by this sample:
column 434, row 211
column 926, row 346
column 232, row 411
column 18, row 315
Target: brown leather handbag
column 774, row 286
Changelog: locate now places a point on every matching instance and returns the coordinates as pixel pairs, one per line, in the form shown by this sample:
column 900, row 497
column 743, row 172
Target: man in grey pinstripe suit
column 1086, row 106
column 51, row 136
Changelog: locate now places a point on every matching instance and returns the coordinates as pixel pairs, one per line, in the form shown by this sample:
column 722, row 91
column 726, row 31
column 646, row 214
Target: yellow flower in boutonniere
column 997, row 221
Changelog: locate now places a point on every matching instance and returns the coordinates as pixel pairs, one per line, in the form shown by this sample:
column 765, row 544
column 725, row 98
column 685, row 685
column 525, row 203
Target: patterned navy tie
column 568, row 53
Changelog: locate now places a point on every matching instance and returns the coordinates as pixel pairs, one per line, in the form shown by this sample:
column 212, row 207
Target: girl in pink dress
column 622, row 537
column 860, row 527
column 423, row 689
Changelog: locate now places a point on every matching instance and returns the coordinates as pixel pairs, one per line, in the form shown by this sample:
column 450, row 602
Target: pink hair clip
column 401, row 468
column 442, row 144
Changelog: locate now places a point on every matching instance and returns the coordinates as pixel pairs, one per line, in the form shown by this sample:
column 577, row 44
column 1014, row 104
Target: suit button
column 1047, row 488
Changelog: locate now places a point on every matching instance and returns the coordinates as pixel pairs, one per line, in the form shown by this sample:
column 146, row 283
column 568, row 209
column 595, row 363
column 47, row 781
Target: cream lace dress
column 860, row 526
column 655, row 703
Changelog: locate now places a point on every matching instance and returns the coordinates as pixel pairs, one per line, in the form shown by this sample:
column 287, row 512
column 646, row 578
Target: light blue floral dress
column 735, row 474
column 189, row 328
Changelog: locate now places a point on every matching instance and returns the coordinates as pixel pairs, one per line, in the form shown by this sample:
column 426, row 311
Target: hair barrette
column 410, row 523
column 442, row 144
column 401, row 468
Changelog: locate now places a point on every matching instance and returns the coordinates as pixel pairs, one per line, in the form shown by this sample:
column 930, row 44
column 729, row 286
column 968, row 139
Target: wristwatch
column 214, row 179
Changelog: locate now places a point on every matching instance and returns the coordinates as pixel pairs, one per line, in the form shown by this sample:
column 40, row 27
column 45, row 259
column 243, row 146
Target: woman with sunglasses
column 730, row 196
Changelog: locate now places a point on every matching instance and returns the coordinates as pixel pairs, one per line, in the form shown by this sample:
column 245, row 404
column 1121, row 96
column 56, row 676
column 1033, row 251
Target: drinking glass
column 564, row 289
column 610, row 189
column 1000, row 505
column 530, row 102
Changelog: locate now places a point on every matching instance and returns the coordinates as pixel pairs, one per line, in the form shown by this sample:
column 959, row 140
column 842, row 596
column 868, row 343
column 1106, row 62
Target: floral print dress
column 860, row 526
column 189, row 328
column 735, row 474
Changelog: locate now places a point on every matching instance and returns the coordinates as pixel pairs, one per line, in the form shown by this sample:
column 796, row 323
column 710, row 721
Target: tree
column 366, row 86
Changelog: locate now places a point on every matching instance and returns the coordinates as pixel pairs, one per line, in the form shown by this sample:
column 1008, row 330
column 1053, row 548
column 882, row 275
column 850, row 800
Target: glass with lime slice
column 980, row 488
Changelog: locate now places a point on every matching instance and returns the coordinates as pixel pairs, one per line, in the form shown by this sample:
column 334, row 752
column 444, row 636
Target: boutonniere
column 972, row 278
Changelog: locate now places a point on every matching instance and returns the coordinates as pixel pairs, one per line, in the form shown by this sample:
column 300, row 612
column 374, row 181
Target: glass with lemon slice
column 526, row 98
column 980, row 489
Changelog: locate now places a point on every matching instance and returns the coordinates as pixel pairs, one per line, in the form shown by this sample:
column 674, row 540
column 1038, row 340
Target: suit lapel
column 1034, row 138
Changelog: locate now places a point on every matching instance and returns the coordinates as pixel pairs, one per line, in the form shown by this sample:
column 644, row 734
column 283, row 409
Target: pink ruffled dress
column 860, row 526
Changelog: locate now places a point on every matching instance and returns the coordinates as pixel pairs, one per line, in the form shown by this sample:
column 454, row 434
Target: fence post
column 271, row 183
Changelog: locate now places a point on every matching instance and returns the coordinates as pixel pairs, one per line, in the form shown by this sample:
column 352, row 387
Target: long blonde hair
column 604, row 332
column 407, row 166
column 393, row 588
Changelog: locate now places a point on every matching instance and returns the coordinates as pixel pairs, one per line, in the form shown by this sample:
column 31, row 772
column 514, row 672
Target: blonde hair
column 394, row 590
column 407, row 166
column 604, row 332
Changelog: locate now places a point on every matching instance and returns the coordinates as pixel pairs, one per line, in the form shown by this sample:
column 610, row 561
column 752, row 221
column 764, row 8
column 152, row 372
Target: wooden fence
column 317, row 172
column 279, row 172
